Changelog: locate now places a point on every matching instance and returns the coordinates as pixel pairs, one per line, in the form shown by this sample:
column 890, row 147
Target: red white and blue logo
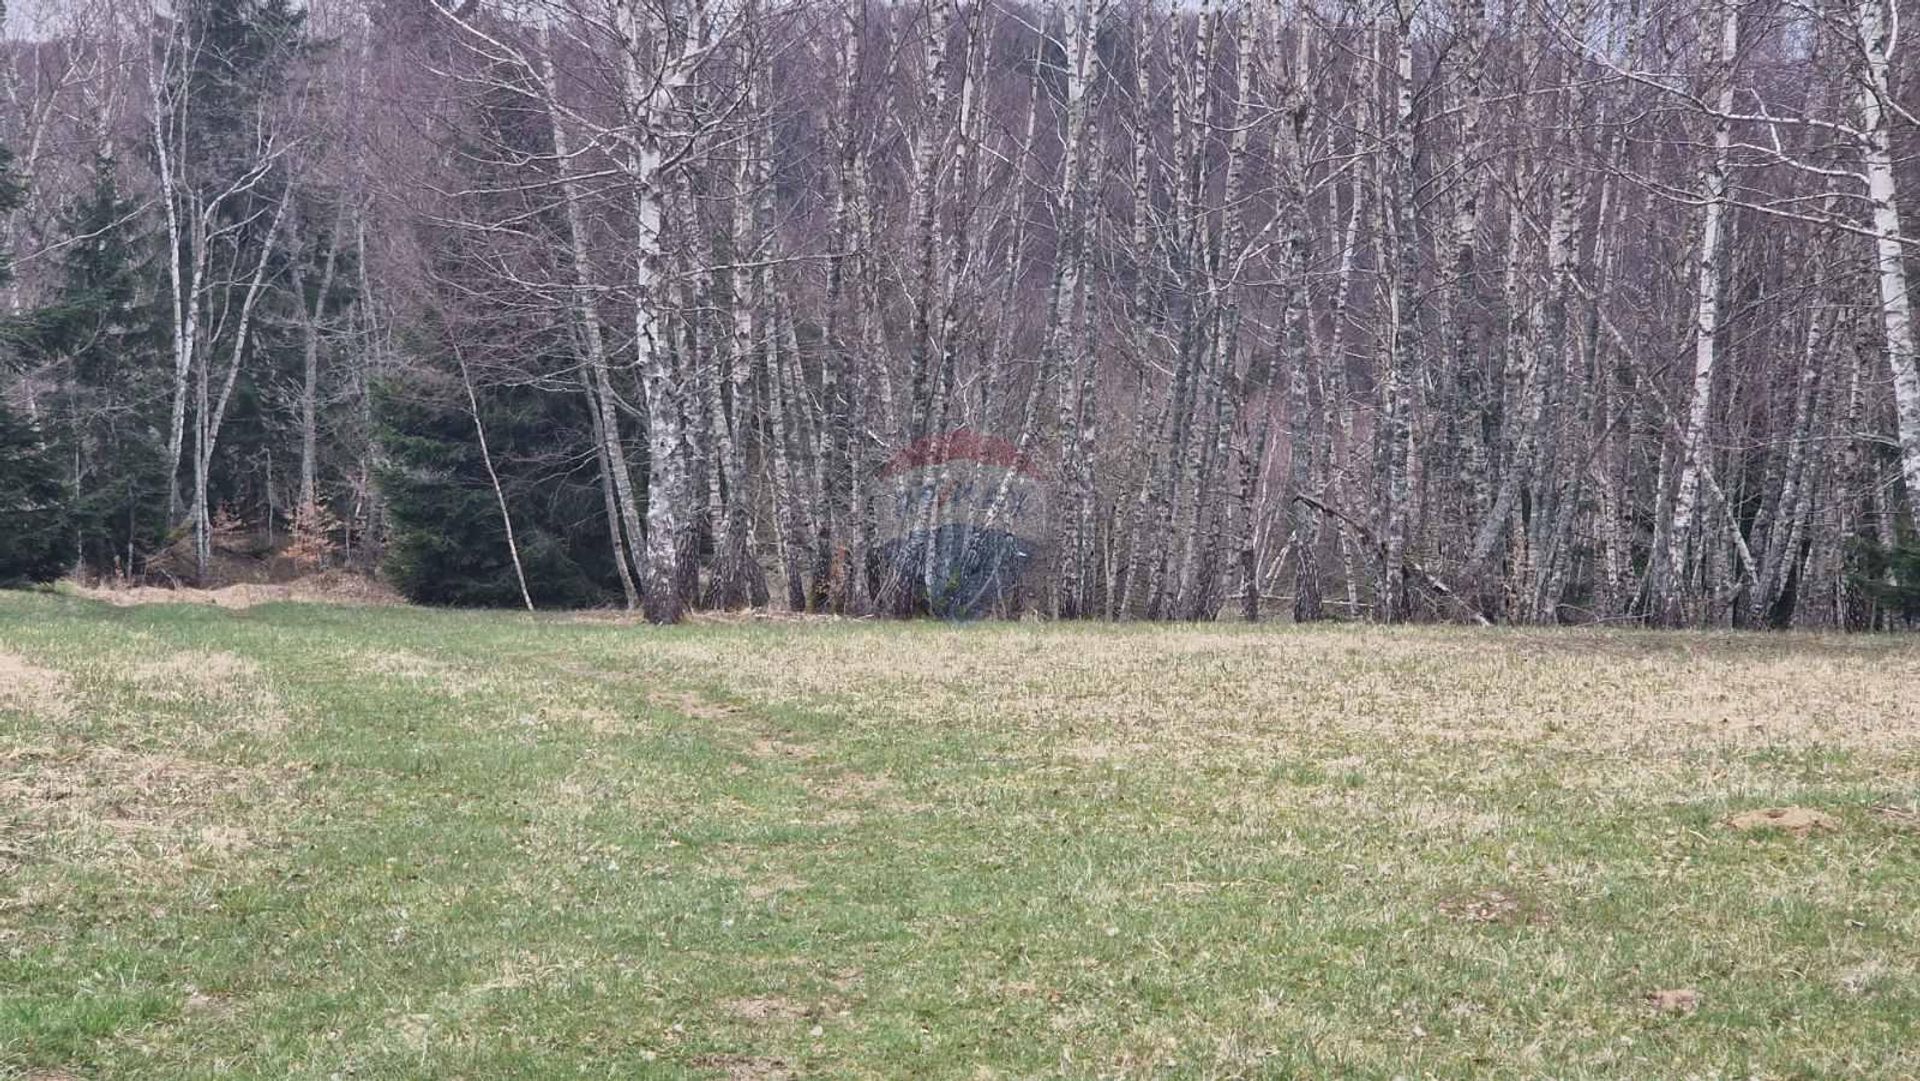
column 960, row 519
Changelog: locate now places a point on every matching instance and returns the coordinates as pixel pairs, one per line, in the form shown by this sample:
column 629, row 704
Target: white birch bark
column 312, row 320
column 209, row 417
column 493, row 476
column 650, row 102
column 1062, row 351
column 1671, row 575
column 1403, row 380
column 183, row 283
column 1875, row 97
column 611, row 450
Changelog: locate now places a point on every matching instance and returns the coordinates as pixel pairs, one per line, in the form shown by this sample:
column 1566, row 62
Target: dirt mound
column 326, row 587
column 1799, row 821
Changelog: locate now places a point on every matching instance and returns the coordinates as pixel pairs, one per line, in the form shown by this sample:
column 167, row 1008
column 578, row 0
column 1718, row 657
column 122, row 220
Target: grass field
column 301, row 841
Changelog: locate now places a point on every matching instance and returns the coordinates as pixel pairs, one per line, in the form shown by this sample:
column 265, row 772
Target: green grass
column 326, row 842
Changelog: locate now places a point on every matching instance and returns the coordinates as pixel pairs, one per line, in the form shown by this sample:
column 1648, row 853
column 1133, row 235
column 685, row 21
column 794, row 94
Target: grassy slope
column 313, row 842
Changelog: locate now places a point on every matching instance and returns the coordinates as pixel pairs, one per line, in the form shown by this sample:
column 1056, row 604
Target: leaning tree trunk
column 611, row 502
column 611, row 450
column 211, row 416
column 493, row 475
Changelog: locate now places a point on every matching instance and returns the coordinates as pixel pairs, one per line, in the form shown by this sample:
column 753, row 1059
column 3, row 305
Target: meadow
column 326, row 842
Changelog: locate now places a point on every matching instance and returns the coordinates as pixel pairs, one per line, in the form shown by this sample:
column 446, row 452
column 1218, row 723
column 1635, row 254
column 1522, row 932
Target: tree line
column 1530, row 311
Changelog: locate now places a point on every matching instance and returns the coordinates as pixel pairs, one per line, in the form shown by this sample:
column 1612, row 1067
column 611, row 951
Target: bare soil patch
column 774, row 747
column 1865, row 978
column 747, row 1067
column 765, row 1008
column 1681, row 1000
column 205, row 1004
column 694, row 705
column 1798, row 821
column 1502, row 905
column 774, row 886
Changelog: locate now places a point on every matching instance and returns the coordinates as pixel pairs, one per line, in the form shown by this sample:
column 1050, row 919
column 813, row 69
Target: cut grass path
column 325, row 842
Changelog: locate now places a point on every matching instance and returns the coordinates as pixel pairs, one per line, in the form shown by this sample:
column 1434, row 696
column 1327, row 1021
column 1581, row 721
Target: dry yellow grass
column 148, row 815
column 326, row 587
column 1603, row 701
column 26, row 687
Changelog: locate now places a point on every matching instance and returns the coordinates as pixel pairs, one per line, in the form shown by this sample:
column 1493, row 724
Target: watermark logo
column 960, row 519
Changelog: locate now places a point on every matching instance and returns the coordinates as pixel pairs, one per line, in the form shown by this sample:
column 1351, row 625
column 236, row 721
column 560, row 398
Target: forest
column 1488, row 311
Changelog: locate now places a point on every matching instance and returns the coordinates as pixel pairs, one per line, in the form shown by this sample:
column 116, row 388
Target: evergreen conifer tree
column 32, row 500
column 446, row 542
column 103, row 335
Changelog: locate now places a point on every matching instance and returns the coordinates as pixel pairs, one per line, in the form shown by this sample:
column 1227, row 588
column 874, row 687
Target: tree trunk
column 650, row 96
column 1671, row 575
column 1896, row 305
column 610, row 452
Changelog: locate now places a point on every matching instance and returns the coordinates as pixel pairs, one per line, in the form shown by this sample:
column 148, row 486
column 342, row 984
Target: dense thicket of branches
column 1510, row 310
